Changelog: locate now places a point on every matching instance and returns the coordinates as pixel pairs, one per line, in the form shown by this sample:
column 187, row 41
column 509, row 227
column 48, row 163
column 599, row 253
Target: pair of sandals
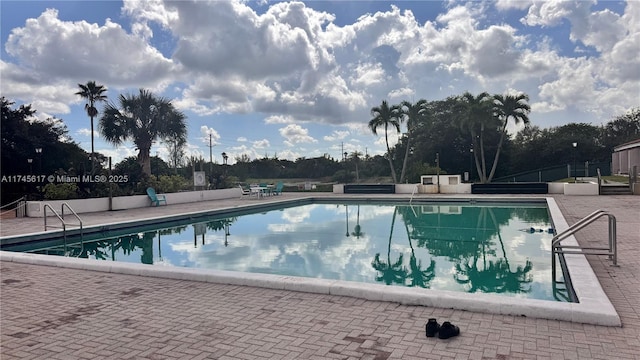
column 444, row 331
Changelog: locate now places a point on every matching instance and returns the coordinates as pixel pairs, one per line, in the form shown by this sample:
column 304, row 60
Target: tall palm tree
column 92, row 93
column 386, row 116
column 475, row 115
column 356, row 159
column 143, row 119
column 414, row 113
column 506, row 107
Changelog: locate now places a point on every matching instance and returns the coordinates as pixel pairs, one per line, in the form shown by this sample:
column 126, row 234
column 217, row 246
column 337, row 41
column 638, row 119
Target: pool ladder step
column 612, row 251
column 63, row 223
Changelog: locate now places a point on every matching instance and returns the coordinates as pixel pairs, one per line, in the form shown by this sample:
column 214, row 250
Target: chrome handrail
column 64, row 204
column 611, row 251
column 64, row 225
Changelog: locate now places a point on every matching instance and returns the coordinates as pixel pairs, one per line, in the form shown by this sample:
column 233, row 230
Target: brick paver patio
column 60, row 313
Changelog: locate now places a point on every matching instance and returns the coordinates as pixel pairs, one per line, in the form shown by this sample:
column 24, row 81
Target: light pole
column 30, row 167
column 39, row 152
column 575, row 150
column 470, row 164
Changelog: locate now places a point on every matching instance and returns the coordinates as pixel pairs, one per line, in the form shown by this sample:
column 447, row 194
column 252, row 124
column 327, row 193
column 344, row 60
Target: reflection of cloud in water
column 297, row 215
column 311, row 241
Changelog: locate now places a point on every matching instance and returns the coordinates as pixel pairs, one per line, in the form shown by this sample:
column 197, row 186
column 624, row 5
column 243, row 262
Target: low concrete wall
column 556, row 188
column 445, row 189
column 36, row 208
column 581, row 189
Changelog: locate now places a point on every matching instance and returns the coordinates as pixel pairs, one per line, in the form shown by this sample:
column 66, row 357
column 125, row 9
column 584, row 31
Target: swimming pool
column 422, row 247
column 488, row 248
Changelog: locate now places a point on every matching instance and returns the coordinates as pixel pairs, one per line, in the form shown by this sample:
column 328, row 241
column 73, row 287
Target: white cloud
column 209, row 135
column 295, row 134
column 337, row 135
column 261, row 144
column 278, row 119
column 86, row 132
column 76, row 50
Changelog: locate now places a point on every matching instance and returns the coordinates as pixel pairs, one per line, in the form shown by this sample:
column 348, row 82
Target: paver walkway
column 58, row 313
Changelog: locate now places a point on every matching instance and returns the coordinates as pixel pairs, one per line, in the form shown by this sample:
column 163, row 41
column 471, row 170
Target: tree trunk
column 393, row 171
column 93, row 166
column 144, row 160
column 483, row 178
column 495, row 159
column 404, row 162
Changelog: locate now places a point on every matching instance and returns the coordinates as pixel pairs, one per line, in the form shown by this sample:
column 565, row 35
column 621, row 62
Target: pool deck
column 62, row 313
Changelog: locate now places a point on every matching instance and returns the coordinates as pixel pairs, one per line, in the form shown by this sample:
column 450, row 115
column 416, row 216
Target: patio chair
column 278, row 189
column 244, row 192
column 156, row 199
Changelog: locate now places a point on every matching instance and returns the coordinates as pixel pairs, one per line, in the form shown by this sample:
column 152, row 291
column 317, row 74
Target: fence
column 554, row 173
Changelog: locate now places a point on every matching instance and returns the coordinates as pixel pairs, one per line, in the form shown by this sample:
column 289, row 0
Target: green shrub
column 63, row 191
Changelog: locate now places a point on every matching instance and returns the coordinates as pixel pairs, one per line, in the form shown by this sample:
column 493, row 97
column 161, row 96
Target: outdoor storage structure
column 625, row 157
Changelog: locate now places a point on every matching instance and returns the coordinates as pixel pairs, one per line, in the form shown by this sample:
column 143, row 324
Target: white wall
column 581, row 189
column 36, row 208
column 555, row 188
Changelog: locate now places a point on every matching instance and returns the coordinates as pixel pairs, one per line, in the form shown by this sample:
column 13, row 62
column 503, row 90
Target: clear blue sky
column 298, row 79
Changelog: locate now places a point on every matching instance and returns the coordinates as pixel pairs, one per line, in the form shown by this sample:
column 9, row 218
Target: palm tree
column 385, row 116
column 356, row 159
column 143, row 119
column 475, row 115
column 92, row 93
column 505, row 107
column 414, row 113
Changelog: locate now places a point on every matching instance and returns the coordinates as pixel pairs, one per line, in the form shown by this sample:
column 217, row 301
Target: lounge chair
column 156, row 199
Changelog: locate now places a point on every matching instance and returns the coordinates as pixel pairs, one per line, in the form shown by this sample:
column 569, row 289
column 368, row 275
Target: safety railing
column 19, row 209
column 611, row 250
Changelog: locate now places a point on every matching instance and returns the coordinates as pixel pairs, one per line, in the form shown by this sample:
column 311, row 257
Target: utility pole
column 342, row 150
column 210, row 160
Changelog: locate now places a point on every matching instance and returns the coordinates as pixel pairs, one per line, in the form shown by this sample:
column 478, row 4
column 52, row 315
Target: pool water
column 497, row 248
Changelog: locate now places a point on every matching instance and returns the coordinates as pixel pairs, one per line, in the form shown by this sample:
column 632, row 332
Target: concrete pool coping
column 594, row 306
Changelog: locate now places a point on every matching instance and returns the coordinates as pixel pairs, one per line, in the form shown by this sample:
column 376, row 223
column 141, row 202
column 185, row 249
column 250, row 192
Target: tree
column 355, row 156
column 143, row 119
column 505, row 107
column 92, row 93
column 621, row 129
column 414, row 113
column 385, row 116
column 22, row 133
column 475, row 116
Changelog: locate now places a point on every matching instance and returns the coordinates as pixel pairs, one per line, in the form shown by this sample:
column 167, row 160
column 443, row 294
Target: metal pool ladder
column 63, row 222
column 611, row 251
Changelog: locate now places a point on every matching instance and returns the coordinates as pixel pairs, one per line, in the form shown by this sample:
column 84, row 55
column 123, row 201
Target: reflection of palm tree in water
column 419, row 277
column 357, row 230
column 346, row 215
column 496, row 276
column 390, row 273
